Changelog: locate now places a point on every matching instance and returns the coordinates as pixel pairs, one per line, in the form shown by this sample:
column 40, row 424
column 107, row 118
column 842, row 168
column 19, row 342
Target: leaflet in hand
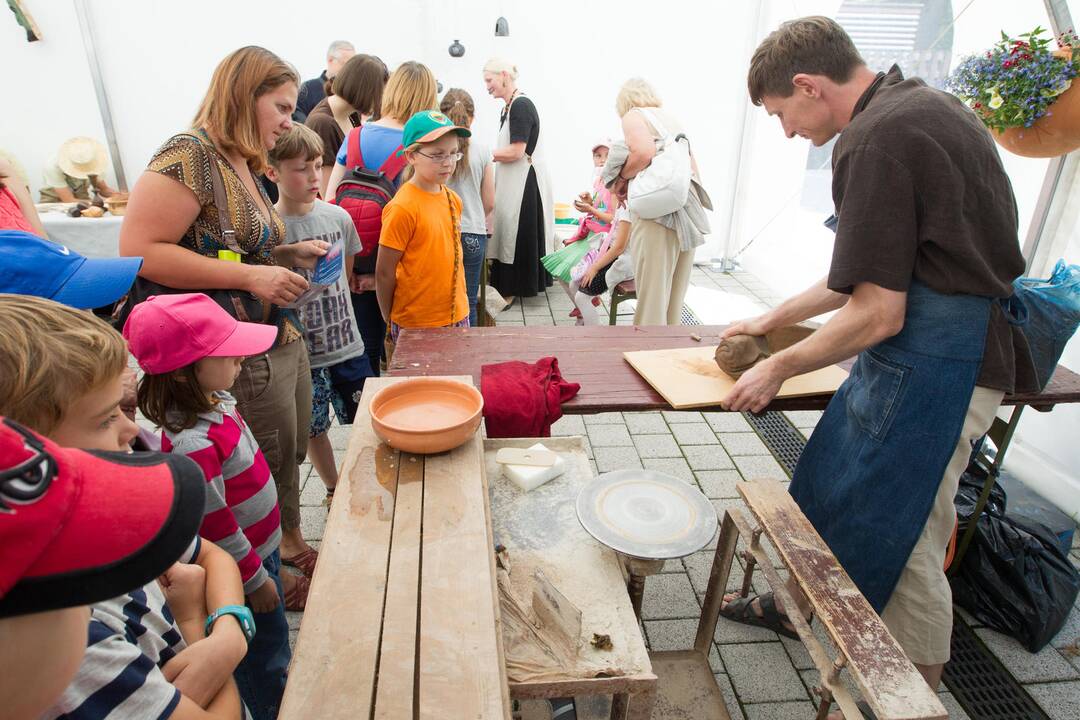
column 327, row 270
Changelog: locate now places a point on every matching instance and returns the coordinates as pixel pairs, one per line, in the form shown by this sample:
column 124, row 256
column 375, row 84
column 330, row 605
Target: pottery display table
column 593, row 356
column 402, row 619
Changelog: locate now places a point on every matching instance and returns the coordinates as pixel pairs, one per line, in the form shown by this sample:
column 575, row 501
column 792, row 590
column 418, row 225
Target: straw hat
column 81, row 157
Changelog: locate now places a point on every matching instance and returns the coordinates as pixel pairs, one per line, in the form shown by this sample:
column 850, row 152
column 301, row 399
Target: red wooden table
column 593, row 356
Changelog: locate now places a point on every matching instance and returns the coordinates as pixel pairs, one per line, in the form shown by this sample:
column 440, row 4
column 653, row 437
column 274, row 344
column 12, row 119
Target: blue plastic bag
column 1049, row 313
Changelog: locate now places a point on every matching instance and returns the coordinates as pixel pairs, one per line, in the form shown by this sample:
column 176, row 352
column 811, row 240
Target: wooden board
column 401, row 621
column 690, row 378
column 889, row 682
column 593, row 356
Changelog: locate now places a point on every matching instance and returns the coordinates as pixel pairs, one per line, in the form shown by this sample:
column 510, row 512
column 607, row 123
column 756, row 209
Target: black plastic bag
column 1014, row 576
column 971, row 485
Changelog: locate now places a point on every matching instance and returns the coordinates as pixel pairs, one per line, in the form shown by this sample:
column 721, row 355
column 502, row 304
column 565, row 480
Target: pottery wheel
column 646, row 514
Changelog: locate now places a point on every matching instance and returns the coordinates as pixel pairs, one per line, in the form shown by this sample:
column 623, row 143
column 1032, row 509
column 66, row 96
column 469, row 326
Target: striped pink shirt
column 241, row 512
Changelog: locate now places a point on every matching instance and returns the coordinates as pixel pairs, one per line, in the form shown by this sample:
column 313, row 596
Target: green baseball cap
column 428, row 126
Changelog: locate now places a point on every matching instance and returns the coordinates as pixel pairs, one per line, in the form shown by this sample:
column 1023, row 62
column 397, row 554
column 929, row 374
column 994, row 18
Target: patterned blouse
column 187, row 159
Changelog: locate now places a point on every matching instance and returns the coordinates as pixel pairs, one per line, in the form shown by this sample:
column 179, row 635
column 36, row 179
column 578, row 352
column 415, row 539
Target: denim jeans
column 473, row 249
column 261, row 675
column 372, row 329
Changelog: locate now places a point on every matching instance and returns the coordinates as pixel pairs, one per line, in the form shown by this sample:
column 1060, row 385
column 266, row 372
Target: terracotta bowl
column 426, row 415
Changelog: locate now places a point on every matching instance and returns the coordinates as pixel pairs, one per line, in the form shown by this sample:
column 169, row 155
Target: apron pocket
column 872, row 396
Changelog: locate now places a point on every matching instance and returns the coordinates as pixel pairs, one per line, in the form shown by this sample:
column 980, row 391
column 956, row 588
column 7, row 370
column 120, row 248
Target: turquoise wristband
column 241, row 613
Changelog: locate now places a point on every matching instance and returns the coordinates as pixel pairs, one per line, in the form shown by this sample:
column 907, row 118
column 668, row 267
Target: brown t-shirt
column 920, row 192
column 321, row 120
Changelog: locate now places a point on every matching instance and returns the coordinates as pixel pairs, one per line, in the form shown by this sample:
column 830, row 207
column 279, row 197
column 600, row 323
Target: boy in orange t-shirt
column 419, row 276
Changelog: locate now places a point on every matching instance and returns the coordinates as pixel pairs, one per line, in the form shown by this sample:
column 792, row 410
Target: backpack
column 363, row 193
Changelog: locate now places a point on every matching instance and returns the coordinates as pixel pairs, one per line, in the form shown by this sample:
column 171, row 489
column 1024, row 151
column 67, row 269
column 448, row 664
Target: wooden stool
column 626, row 290
column 887, row 680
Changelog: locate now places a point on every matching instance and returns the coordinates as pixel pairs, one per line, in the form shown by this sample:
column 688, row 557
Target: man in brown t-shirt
column 922, row 201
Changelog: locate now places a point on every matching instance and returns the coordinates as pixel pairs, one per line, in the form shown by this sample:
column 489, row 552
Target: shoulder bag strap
column 353, row 156
column 221, row 200
column 457, row 255
column 394, row 164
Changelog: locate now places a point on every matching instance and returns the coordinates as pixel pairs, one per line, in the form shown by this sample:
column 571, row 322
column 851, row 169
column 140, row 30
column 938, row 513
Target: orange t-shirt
column 430, row 288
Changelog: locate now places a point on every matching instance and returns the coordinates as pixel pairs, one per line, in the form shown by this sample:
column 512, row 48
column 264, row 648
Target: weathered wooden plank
column 395, row 694
column 461, row 670
column 593, row 357
column 333, row 671
column 888, row 680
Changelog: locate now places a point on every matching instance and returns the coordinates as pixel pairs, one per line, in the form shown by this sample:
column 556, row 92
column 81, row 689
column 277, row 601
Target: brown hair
column 813, row 45
column 459, row 107
column 173, row 400
column 410, row 89
column 361, row 82
column 299, row 141
column 228, row 108
column 50, row 356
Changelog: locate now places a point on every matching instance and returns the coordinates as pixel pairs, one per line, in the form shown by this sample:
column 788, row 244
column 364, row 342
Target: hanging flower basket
column 1025, row 93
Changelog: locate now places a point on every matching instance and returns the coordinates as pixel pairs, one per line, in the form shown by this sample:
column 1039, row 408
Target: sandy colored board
column 336, row 655
column 690, row 378
column 461, row 668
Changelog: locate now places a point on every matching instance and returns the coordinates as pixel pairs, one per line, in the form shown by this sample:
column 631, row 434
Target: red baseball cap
column 78, row 527
column 168, row 332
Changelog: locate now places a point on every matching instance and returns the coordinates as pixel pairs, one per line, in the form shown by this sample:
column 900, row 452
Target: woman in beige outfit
column 661, row 265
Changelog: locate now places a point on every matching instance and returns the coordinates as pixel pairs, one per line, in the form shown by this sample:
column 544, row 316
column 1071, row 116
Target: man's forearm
column 813, row 301
column 384, row 292
column 861, row 323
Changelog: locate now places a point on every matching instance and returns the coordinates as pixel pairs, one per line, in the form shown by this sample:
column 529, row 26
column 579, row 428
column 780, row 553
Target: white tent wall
column 157, row 58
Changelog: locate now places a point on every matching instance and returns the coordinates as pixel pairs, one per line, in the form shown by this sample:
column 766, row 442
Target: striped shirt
column 241, row 513
column 130, row 638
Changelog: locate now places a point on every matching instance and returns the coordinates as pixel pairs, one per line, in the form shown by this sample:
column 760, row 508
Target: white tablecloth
column 93, row 237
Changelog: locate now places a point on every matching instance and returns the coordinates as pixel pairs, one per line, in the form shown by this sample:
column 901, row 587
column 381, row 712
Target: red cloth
column 523, row 400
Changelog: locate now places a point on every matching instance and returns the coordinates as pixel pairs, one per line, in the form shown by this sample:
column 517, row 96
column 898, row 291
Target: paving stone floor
column 762, row 676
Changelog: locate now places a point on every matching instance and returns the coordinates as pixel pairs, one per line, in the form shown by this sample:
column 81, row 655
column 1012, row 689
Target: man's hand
column 750, row 326
column 756, row 388
column 200, row 670
column 184, row 586
column 265, row 598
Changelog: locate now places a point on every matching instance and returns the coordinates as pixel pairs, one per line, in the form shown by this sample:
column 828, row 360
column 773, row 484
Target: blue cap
column 30, row 265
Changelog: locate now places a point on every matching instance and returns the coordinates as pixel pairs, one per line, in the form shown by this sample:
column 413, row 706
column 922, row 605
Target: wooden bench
column 402, row 619
column 862, row 645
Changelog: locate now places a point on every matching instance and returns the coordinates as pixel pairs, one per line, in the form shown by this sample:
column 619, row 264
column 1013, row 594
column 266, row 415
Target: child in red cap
column 191, row 350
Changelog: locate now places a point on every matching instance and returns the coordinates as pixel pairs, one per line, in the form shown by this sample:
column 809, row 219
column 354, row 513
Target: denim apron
column 871, row 469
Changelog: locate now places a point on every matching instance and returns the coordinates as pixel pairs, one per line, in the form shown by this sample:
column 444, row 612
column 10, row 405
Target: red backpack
column 363, row 193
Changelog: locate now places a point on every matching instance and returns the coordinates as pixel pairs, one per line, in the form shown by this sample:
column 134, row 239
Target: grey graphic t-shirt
column 329, row 324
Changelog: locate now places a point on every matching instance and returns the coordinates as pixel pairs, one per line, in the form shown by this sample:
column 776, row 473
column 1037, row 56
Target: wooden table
column 540, row 530
column 593, row 356
column 402, row 620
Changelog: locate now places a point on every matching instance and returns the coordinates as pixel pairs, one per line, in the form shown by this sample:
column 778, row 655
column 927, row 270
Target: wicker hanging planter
column 1056, row 133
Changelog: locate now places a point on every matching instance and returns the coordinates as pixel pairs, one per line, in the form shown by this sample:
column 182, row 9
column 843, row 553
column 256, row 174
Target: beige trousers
column 919, row 613
column 661, row 273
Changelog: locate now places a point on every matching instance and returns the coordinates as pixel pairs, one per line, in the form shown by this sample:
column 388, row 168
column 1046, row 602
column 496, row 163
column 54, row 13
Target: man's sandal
column 296, row 599
column 304, row 562
column 741, row 611
column 329, row 499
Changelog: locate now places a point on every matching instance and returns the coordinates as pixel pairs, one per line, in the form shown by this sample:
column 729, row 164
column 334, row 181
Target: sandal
column 575, row 313
column 296, row 599
column 329, row 499
column 304, row 562
column 772, row 619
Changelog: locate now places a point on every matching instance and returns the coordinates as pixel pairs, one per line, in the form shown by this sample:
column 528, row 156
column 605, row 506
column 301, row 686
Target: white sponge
column 530, row 477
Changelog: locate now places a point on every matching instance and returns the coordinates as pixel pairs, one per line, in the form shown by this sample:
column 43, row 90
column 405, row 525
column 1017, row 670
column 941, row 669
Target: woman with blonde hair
column 662, row 259
column 410, row 89
column 524, row 209
column 204, row 223
column 355, row 96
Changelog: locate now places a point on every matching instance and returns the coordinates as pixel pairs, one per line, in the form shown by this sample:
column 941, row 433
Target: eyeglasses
column 441, row 159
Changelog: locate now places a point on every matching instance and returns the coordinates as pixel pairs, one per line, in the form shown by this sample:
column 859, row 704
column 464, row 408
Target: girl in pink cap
column 191, row 350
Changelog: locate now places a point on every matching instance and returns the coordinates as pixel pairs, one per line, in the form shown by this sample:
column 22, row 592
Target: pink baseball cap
column 168, row 332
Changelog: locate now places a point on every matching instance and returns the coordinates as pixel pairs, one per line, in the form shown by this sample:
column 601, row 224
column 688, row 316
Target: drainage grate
column 780, row 436
column 981, row 684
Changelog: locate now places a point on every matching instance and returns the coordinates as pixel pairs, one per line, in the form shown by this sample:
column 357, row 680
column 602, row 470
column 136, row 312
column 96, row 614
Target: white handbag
column 664, row 186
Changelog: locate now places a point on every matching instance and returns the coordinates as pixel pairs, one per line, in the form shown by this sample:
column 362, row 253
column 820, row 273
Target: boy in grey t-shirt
column 339, row 365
